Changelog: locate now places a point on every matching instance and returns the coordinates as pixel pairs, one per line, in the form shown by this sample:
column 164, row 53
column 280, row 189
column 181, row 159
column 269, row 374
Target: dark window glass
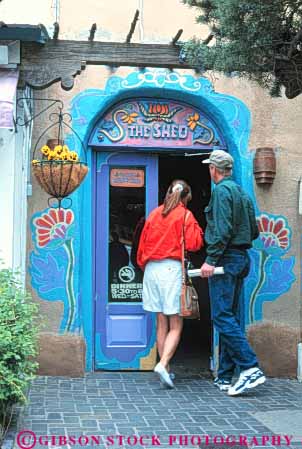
column 127, row 195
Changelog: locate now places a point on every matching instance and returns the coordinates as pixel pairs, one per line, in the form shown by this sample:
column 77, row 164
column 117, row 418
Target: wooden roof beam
column 56, row 31
column 62, row 60
column 92, row 32
column 176, row 37
column 132, row 28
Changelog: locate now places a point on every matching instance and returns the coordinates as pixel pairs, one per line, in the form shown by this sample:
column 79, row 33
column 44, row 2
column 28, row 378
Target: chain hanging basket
column 59, row 171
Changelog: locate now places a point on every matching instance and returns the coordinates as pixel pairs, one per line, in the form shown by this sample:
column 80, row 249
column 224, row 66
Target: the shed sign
column 154, row 123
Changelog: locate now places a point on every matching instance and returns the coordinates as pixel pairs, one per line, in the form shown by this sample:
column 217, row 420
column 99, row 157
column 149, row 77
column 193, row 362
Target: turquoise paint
column 230, row 114
column 52, row 263
column 271, row 273
column 90, row 105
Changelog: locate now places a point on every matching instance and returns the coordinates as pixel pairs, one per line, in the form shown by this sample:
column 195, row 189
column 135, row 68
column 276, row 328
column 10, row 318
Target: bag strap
column 183, row 247
column 183, row 241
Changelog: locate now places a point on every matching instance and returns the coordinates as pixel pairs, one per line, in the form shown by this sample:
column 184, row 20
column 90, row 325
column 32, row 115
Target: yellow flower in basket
column 58, row 149
column 73, row 156
column 65, row 157
column 45, row 150
column 51, row 155
column 59, row 153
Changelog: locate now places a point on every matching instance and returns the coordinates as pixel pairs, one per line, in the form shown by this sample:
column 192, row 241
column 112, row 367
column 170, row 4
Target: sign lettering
column 156, row 123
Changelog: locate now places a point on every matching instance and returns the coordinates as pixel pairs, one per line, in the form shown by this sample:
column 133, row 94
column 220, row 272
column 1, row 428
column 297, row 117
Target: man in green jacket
column 231, row 228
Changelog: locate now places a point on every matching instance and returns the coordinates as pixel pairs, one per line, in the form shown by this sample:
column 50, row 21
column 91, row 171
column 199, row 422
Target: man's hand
column 207, row 270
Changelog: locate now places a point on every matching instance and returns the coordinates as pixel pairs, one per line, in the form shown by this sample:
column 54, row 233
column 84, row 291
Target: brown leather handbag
column 189, row 306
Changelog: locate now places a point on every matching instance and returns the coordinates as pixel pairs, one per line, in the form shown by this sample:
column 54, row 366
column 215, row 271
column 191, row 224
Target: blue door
column 126, row 192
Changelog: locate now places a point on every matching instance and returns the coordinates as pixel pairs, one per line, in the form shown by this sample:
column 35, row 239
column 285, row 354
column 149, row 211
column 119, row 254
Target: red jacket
column 161, row 237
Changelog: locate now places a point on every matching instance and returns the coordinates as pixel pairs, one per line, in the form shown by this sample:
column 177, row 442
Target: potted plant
column 59, row 171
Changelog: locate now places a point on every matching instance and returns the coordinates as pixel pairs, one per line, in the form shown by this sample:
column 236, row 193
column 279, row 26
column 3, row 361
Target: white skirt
column 162, row 286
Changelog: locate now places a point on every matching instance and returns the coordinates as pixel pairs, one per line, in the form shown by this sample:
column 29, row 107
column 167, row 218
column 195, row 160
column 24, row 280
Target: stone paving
column 132, row 404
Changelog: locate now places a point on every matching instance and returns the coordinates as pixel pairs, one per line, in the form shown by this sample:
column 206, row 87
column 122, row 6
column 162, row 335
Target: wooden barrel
column 265, row 165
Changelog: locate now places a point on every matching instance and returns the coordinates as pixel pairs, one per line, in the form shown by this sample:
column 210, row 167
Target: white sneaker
column 172, row 377
column 248, row 379
column 164, row 375
column 222, row 384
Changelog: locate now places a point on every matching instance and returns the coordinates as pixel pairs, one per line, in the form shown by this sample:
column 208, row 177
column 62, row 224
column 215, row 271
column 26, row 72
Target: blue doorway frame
column 87, row 107
column 70, row 260
column 124, row 332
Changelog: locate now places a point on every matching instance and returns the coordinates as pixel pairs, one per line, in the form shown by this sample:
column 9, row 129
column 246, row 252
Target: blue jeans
column 225, row 293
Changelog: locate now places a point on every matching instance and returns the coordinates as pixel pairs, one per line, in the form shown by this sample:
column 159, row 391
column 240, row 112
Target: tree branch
column 194, row 3
column 294, row 42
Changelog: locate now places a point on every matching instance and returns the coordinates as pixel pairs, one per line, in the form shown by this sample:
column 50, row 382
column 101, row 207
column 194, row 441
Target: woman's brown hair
column 178, row 192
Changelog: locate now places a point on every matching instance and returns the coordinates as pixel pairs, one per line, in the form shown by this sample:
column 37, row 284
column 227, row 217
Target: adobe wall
column 275, row 123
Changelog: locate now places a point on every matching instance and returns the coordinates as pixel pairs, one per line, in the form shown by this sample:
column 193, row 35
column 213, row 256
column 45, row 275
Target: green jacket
column 230, row 219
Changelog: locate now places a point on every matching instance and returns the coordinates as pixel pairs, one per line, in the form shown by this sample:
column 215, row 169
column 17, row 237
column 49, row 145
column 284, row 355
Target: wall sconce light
column 264, row 166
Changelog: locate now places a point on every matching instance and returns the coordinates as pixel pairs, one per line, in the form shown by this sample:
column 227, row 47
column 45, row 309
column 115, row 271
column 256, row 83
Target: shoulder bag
column 189, row 307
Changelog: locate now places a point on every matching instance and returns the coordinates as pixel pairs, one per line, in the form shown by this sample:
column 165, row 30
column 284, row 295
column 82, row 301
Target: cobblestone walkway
column 133, row 404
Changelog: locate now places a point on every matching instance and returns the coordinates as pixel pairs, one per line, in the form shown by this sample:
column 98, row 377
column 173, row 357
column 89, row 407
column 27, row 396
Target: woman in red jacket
column 159, row 255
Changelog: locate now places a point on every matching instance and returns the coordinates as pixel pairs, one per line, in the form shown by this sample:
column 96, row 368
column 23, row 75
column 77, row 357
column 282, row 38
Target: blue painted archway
column 234, row 121
column 231, row 114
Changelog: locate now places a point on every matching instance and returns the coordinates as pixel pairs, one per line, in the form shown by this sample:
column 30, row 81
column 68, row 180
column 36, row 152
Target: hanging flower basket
column 59, row 178
column 61, row 172
column 58, row 171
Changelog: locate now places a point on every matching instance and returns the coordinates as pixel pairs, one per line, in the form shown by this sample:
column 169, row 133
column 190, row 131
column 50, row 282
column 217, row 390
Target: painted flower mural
column 52, row 227
column 129, row 117
column 53, row 230
column 201, row 132
column 158, row 112
column 193, row 121
column 270, row 275
column 274, row 234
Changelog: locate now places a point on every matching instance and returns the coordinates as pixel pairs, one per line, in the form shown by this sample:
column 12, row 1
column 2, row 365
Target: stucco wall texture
column 275, row 122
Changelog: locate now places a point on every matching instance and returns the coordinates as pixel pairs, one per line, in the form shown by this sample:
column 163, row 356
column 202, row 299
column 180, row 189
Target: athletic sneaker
column 222, row 384
column 172, row 377
column 163, row 375
column 248, row 379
